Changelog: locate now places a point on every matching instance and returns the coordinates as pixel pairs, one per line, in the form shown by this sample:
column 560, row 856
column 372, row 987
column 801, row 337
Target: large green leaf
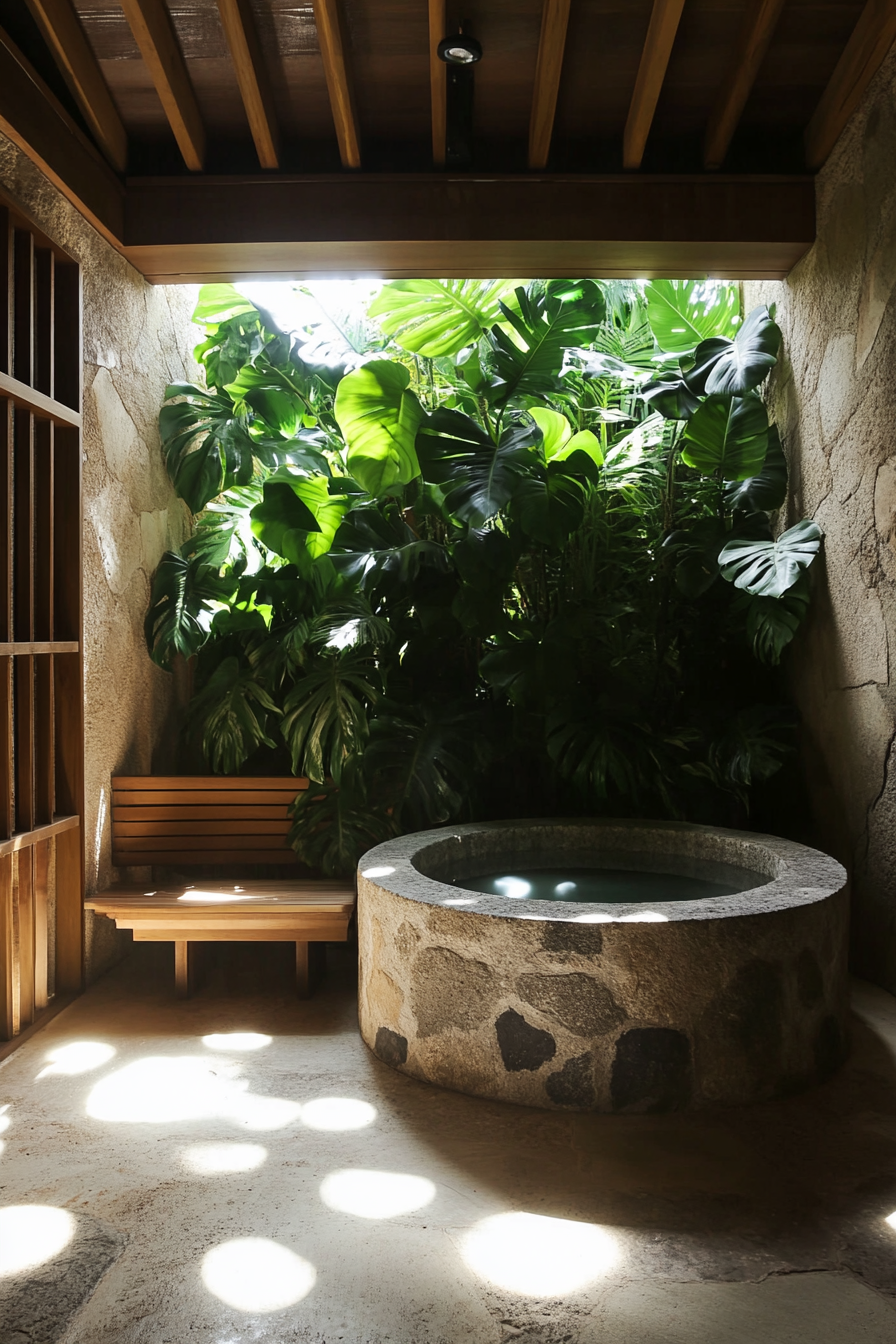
column 215, row 303
column 550, row 504
column 206, row 443
column 334, row 824
column 479, row 476
column 379, row 418
column 325, row 714
column 419, row 756
column 770, row 568
column 298, row 515
column 553, row 318
column 374, row 546
column 439, row 317
column 727, row 435
column 229, row 713
column 736, row 367
column 669, row 394
column 556, row 430
column 768, row 489
column 772, row 622
column 184, row 589
column 682, row 313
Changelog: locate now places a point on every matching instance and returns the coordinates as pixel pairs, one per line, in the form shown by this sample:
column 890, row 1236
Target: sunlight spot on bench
column 376, row 1194
column 338, row 1113
column 211, row 1158
column 31, row 1234
column 254, row 1274
column 76, row 1057
column 236, row 1040
column 213, row 897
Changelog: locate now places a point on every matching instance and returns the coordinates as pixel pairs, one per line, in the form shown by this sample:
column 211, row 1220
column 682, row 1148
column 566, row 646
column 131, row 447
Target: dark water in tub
column 620, row 879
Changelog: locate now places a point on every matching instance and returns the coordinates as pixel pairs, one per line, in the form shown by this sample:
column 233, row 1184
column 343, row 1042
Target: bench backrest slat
column 189, row 819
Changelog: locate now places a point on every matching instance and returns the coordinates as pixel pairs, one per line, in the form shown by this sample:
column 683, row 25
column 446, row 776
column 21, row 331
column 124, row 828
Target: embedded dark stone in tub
column 573, row 1085
column 585, row 939
column 390, row 1047
column 451, row 991
column 651, row 1071
column 713, row 994
column 809, row 982
column 830, row 1047
column 523, row 1046
column 578, row 1001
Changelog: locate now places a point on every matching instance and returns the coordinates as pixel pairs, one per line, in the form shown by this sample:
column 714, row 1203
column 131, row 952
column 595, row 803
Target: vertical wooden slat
column 24, row 742
column 44, row 756
column 24, row 937
column 7, row 784
column 7, row 961
column 438, row 84
column 6, row 521
column 43, row 539
column 66, row 533
column 43, row 320
column 23, row 307
column 23, row 525
column 69, row 911
column 67, row 334
column 6, row 290
column 41, row 852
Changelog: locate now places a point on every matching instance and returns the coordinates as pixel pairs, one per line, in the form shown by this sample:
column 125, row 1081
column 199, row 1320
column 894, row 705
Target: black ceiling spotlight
column 460, row 53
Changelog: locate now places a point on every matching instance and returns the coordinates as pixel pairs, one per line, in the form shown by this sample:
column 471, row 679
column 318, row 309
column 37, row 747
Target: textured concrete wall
column 136, row 339
column 835, row 400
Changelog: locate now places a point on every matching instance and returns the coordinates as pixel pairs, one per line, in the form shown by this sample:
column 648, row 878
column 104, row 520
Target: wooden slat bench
column 209, row 819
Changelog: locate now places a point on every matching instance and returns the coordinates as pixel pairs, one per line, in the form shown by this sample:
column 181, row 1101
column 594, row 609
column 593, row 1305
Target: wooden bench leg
column 184, row 964
column 303, row 982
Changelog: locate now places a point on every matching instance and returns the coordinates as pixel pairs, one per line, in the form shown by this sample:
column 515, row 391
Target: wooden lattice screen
column 41, row 683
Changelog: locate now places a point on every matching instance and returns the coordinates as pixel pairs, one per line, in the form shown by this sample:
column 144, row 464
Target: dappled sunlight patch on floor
column 376, row 1194
column 240, row 1041
column 76, row 1057
column 210, row 1159
column 5, row 1118
column 255, row 1274
column 162, row 1089
column 891, row 1219
column 338, row 1114
column 536, row 1256
column 32, row 1234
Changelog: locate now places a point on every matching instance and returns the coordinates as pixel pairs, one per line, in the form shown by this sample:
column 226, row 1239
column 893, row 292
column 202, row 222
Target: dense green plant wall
column 508, row 551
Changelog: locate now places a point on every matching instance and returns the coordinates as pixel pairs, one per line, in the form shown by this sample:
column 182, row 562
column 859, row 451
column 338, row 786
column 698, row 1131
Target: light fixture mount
column 459, row 50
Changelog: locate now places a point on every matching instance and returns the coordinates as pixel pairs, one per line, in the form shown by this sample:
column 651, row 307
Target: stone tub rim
column 798, row 875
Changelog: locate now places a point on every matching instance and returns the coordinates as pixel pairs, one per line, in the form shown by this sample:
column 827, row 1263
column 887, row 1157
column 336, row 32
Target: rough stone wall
column 137, row 337
column 835, row 402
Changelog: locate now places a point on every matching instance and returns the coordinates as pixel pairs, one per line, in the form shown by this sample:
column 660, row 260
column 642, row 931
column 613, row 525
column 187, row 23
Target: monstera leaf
column 549, row 504
column 298, row 515
column 671, row 396
column 728, row 435
column 325, row 714
column 184, row 589
column 229, row 713
column 439, row 317
column 552, row 319
column 207, row 445
column 419, row 756
column 555, row 429
column 736, row 367
column 379, row 418
column 770, row 568
column 682, row 313
column 215, row 303
column 768, row 489
column 479, row 476
column 772, row 622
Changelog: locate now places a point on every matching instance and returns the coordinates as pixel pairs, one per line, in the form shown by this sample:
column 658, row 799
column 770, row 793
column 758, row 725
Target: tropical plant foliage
column 508, row 552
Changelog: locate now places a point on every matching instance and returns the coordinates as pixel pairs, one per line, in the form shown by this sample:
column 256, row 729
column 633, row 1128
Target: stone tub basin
column 641, row 1006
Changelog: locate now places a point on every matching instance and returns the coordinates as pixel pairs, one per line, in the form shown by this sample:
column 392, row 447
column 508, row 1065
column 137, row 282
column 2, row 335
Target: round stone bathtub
column 593, row 1006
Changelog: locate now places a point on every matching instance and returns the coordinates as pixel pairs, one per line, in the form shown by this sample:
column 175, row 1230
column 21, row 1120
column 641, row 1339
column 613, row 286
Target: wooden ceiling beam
column 154, row 34
column 551, row 47
column 61, row 28
column 39, row 126
column 760, row 22
column 438, row 81
column 661, row 32
column 328, row 21
column 871, row 40
column 238, row 22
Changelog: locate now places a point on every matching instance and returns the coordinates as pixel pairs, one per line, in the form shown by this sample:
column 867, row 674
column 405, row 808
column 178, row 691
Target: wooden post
column 303, row 981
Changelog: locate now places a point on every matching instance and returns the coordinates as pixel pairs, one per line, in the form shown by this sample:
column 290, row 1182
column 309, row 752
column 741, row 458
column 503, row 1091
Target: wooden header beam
column 399, row 225
column 758, row 29
column 651, row 72
column 332, row 49
column 438, row 81
column 871, row 40
column 154, row 34
column 238, row 22
column 551, row 46
column 58, row 21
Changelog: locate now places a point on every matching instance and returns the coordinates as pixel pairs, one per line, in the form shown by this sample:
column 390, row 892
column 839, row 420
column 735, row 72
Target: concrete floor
column 299, row 1190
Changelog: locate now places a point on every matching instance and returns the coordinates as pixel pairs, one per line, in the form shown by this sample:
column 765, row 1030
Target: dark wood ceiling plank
column 661, row 32
column 760, row 22
column 34, row 120
column 238, row 22
column 445, row 224
column 59, row 23
column 154, row 34
column 871, row 40
column 551, row 47
column 438, row 81
column 342, row 103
